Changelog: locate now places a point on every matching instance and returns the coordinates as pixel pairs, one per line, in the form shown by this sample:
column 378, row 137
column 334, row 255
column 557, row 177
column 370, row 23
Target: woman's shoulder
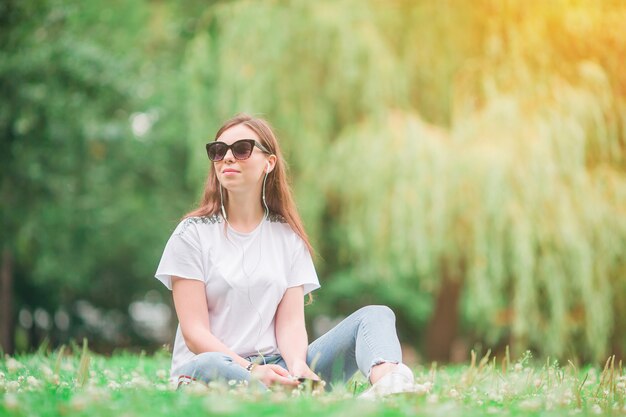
column 276, row 218
column 188, row 222
column 284, row 229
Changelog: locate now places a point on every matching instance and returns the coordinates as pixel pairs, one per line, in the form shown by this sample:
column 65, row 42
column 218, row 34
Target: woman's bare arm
column 291, row 334
column 192, row 312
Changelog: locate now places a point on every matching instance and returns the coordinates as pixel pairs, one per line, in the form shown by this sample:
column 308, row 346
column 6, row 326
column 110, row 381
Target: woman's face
column 241, row 175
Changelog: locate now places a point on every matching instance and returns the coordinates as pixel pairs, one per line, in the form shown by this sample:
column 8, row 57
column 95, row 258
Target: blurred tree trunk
column 6, row 304
column 444, row 323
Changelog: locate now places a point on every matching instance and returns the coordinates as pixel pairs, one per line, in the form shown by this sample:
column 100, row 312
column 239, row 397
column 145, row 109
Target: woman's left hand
column 301, row 370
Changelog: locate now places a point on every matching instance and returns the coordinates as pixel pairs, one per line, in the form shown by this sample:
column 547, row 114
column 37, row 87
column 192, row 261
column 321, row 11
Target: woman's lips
column 230, row 172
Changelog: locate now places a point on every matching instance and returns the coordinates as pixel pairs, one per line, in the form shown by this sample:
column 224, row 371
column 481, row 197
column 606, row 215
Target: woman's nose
column 228, row 156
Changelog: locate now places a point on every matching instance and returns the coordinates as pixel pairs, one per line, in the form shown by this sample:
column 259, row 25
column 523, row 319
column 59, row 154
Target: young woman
column 239, row 267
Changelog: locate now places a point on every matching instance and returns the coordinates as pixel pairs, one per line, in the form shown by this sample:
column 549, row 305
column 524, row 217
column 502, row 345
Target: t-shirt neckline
column 247, row 234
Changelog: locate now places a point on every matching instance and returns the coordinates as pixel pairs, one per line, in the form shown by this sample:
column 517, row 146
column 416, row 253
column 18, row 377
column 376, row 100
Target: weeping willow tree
column 524, row 195
column 430, row 146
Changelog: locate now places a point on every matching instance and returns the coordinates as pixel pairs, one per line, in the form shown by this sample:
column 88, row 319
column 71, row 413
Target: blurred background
column 462, row 162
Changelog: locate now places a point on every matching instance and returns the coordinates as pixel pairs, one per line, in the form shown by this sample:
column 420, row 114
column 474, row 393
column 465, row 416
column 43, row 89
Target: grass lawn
column 78, row 383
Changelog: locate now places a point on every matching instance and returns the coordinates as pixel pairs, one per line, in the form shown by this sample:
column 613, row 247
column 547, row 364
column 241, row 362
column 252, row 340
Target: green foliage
column 48, row 155
column 76, row 181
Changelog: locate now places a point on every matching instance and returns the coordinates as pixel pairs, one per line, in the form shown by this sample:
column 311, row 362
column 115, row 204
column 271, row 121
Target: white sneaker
column 399, row 380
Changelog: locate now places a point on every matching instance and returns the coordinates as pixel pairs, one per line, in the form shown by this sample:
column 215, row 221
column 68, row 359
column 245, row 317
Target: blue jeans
column 365, row 338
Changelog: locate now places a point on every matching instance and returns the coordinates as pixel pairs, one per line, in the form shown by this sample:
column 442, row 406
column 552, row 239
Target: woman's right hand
column 273, row 374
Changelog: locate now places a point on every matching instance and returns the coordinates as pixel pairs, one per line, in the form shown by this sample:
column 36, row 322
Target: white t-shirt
column 245, row 276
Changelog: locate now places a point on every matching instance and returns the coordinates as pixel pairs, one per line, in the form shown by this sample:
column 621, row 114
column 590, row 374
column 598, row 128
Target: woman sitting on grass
column 239, row 267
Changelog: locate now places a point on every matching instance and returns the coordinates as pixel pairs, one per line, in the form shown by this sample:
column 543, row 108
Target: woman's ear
column 271, row 163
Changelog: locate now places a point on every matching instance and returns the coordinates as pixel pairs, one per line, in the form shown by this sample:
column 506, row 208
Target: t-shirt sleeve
column 302, row 269
column 182, row 256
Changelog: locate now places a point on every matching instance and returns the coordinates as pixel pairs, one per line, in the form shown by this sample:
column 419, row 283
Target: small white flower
column 33, row 383
column 596, row 409
column 47, row 372
column 97, row 394
column 518, row 367
column 54, row 379
column 12, row 386
column 112, row 385
column 454, row 393
column 13, row 365
column 531, row 404
column 79, row 402
column 139, row 382
column 494, row 396
column 11, row 402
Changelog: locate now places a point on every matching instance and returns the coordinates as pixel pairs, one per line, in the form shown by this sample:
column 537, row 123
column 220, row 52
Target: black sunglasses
column 241, row 149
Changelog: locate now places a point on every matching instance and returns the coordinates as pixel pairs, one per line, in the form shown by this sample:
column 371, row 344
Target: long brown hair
column 277, row 192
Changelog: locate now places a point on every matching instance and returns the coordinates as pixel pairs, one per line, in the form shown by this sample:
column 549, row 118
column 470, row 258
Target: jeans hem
column 378, row 361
